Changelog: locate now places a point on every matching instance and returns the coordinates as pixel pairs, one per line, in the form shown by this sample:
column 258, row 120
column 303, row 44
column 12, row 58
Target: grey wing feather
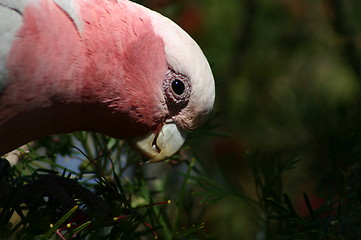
column 17, row 5
column 10, row 22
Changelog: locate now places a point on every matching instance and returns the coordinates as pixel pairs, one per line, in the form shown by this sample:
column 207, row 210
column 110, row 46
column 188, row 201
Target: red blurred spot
column 316, row 202
column 191, row 19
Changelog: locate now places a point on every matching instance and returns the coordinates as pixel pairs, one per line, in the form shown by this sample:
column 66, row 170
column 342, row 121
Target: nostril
column 154, row 145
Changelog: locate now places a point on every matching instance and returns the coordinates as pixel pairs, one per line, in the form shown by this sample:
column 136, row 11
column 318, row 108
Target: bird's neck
column 27, row 125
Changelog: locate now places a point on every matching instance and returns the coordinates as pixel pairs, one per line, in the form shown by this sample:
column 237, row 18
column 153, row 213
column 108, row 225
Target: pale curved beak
column 158, row 146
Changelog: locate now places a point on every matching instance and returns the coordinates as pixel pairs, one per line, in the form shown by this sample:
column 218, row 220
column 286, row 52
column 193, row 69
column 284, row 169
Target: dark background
column 288, row 77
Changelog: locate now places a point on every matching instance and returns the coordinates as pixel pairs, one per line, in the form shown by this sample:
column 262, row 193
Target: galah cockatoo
column 106, row 66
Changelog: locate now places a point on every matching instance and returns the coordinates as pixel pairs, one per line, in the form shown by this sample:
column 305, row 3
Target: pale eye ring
column 177, row 90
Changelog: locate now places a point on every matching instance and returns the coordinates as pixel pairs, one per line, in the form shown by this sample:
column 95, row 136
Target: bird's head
column 188, row 91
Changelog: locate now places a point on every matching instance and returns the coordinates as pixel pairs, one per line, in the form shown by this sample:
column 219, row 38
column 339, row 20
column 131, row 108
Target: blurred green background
column 288, row 75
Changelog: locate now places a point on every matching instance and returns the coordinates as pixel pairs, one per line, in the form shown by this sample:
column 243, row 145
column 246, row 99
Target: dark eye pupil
column 178, row 86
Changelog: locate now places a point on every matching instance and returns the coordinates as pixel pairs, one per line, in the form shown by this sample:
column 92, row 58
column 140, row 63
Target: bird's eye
column 177, row 90
column 178, row 86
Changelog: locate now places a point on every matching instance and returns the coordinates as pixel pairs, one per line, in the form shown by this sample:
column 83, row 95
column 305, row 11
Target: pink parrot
column 106, row 66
